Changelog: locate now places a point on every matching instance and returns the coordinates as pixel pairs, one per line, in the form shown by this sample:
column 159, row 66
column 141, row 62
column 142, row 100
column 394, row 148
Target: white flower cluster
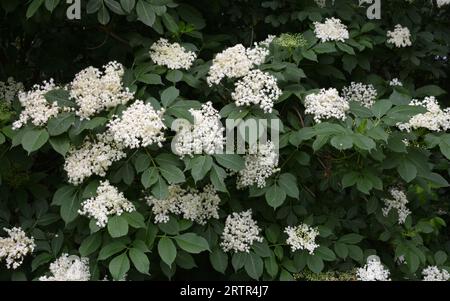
column 441, row 3
column 237, row 61
column 190, row 203
column 240, row 232
column 331, row 30
column 35, row 107
column 9, row 90
column 205, row 135
column 171, row 55
column 326, row 104
column 359, row 92
column 432, row 273
column 93, row 157
column 14, row 248
column 139, row 126
column 302, row 237
column 260, row 164
column 395, row 82
column 400, row 37
column 257, row 87
column 95, row 91
column 435, row 119
column 373, row 271
column 109, row 201
column 398, row 202
column 69, row 268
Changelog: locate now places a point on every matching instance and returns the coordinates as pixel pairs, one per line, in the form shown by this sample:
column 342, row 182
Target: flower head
column 302, row 237
column 69, row 268
column 331, row 30
column 400, row 37
column 398, row 202
column 373, row 271
column 15, row 247
column 433, row 273
column 326, row 104
column 361, row 93
column 171, row 55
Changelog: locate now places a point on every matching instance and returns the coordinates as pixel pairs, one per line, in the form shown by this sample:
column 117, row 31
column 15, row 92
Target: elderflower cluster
column 432, row 273
column 260, row 164
column 139, row 126
column 361, row 93
column 400, row 37
column 95, row 91
column 171, row 55
column 69, row 268
column 326, row 104
column 331, row 30
column 395, row 82
column 435, row 119
column 204, row 135
column 93, row 157
column 398, row 202
column 190, row 203
column 291, row 40
column 109, row 201
column 240, row 232
column 9, row 90
column 35, row 107
column 441, row 3
column 237, row 61
column 302, row 237
column 257, row 87
column 373, row 271
column 14, row 248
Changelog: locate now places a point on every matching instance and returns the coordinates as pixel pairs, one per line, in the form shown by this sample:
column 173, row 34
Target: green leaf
column 288, row 182
column 117, row 226
column 254, row 266
column 150, row 79
column 355, row 253
column 444, row 146
column 167, row 250
column 145, row 13
column 172, row 174
column 440, row 257
column 407, row 170
column 271, row 266
column 342, row 142
column 286, row 276
column 363, row 142
column 114, row 6
column 381, row 107
column 142, row 162
column 61, row 144
column 90, row 244
column 430, row 90
column 2, row 139
column 217, row 177
column 275, row 196
column 40, row 260
column 149, row 177
column 238, row 260
column 128, row 5
column 60, row 124
column 345, row 48
column 135, row 219
column 140, row 260
column 160, row 190
column 230, row 161
column 351, row 238
column 111, row 249
column 192, row 243
column 33, row 7
column 169, row 23
column 103, row 16
column 50, row 5
column 70, row 206
column 219, row 260
column 34, row 139
column 325, row 253
column 341, row 250
column 315, row 263
column 200, row 167
column 174, row 76
column 119, row 266
column 169, row 95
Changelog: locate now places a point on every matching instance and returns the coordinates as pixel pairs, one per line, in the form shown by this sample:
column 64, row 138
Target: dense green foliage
column 334, row 175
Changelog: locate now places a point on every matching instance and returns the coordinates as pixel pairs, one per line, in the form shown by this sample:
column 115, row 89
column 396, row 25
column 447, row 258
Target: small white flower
column 240, row 232
column 93, row 157
column 35, row 107
column 302, row 237
column 190, row 203
column 435, row 119
column 398, row 202
column 205, row 135
column 257, row 87
column 69, row 268
column 373, row 271
column 95, row 91
column 173, row 56
column 395, row 82
column 331, row 30
column 109, row 201
column 260, row 164
column 432, row 273
column 400, row 37
column 326, row 104
column 15, row 247
column 359, row 92
column 139, row 126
